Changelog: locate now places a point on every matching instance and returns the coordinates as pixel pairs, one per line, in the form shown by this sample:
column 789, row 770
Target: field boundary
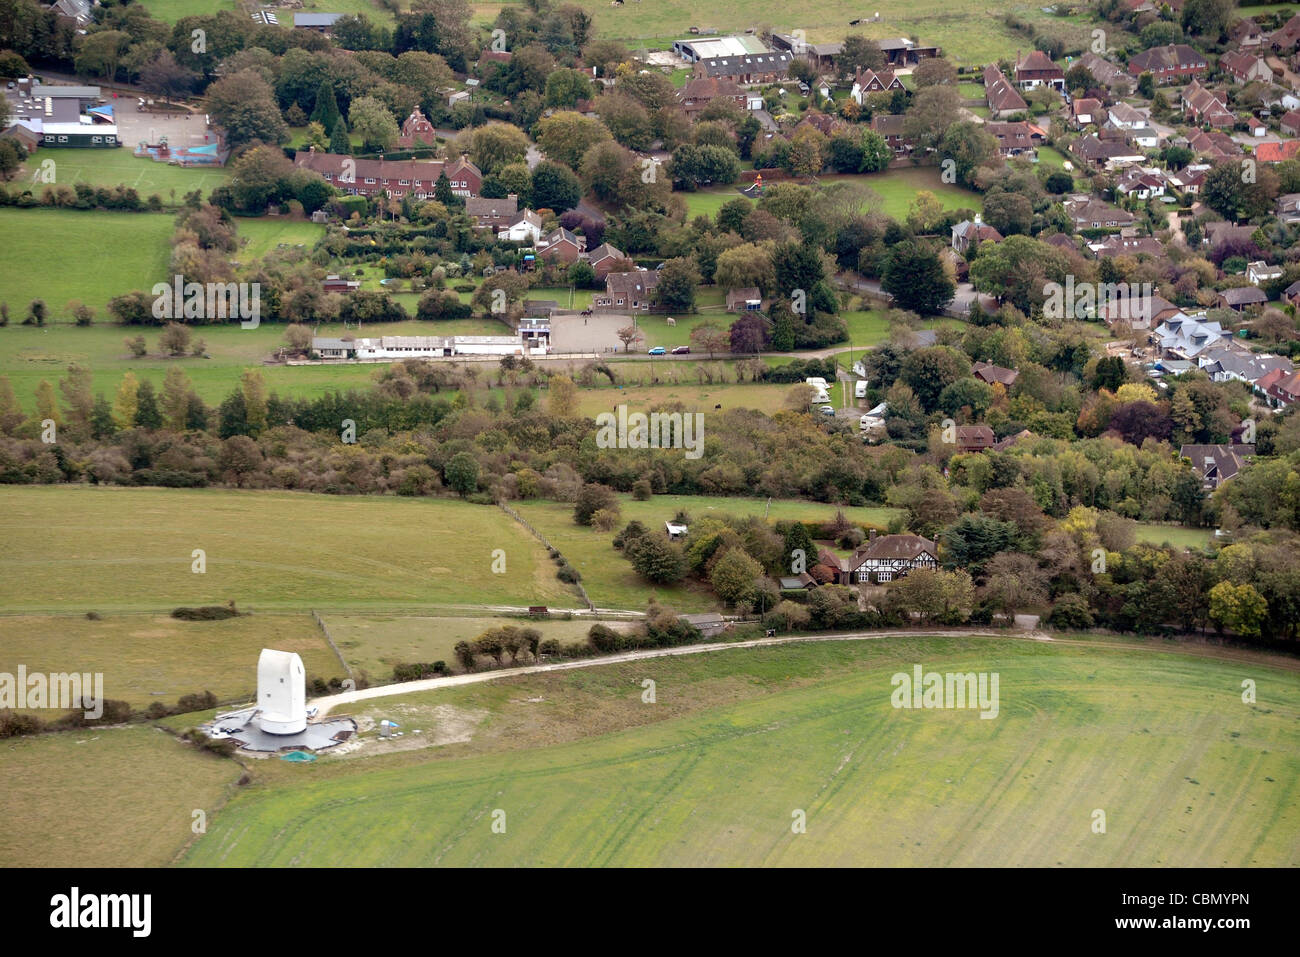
column 320, row 623
column 591, row 606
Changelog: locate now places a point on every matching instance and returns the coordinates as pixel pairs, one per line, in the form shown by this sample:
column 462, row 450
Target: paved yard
column 597, row 333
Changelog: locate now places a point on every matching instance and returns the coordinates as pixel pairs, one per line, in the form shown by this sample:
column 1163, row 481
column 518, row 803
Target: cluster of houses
column 1184, row 343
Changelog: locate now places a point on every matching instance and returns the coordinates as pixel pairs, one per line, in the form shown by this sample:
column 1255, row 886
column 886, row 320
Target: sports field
column 740, row 744
column 61, row 254
column 74, row 549
column 121, row 167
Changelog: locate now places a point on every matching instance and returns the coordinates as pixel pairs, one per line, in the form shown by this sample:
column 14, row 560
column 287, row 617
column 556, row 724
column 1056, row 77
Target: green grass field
column 261, row 236
column 62, row 254
column 1175, row 535
column 101, row 167
column 608, row 576
column 739, row 742
column 148, row 658
column 374, row 643
column 105, row 797
column 74, row 549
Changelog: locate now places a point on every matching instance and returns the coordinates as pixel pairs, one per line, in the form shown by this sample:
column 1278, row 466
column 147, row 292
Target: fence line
column 591, row 605
column 343, row 661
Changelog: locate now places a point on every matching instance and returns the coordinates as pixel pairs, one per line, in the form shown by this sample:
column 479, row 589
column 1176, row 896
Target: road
column 327, row 704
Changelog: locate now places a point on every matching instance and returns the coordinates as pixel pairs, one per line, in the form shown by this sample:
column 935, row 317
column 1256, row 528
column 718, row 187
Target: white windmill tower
column 281, row 692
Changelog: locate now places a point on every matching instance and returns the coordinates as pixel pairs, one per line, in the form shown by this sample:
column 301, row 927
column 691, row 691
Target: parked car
column 658, row 351
column 682, row 351
column 827, row 410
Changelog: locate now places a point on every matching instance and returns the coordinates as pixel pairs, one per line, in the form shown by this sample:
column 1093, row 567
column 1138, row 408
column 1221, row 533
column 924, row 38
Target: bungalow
column 1036, row 69
column 748, row 299
column 1168, row 64
column 1241, row 297
column 1227, row 362
column 1106, row 73
column 1141, row 183
column 882, row 558
column 323, row 347
column 1247, row 34
column 1161, row 310
column 1204, row 106
column 988, row 372
column 627, row 292
column 1091, row 150
column 967, row 232
column 1127, row 246
column 866, row 82
column 525, row 227
column 1215, row 464
column 1214, row 145
column 1090, row 213
column 900, row 51
column 1189, row 179
column 1277, row 152
column 1286, row 38
column 974, row 438
column 1002, row 97
column 1243, row 68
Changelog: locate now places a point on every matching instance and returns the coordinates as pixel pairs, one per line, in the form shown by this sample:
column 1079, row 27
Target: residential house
column 1092, row 150
column 1226, row 361
column 1189, row 179
column 990, row 373
column 1291, row 294
column 1186, row 337
column 603, row 258
column 495, row 213
column 974, row 438
column 748, row 299
column 324, row 347
column 79, row 10
column 1214, row 145
column 1288, row 208
column 1001, row 95
column 1084, row 111
column 1003, row 444
column 1247, row 34
column 1168, row 64
column 882, row 558
column 1116, row 245
column 1286, row 38
column 1286, row 390
column 563, row 246
column 1088, row 212
column 1290, row 123
column 417, row 131
column 1277, row 152
column 395, row 178
column 890, row 126
column 525, row 227
column 1241, row 298
column 1216, row 464
column 1036, row 69
column 698, row 93
column 1015, row 139
column 1258, row 273
column 627, row 291
column 1244, row 68
column 1201, row 105
column 866, row 82
column 1133, row 122
column 1144, row 183
column 1106, row 73
column 1115, row 310
column 967, row 232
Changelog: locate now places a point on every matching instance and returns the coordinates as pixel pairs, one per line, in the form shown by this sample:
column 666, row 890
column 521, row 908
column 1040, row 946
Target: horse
column 671, row 321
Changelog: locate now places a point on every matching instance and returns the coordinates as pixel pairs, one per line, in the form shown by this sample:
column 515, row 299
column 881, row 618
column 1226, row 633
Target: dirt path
column 327, row 704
